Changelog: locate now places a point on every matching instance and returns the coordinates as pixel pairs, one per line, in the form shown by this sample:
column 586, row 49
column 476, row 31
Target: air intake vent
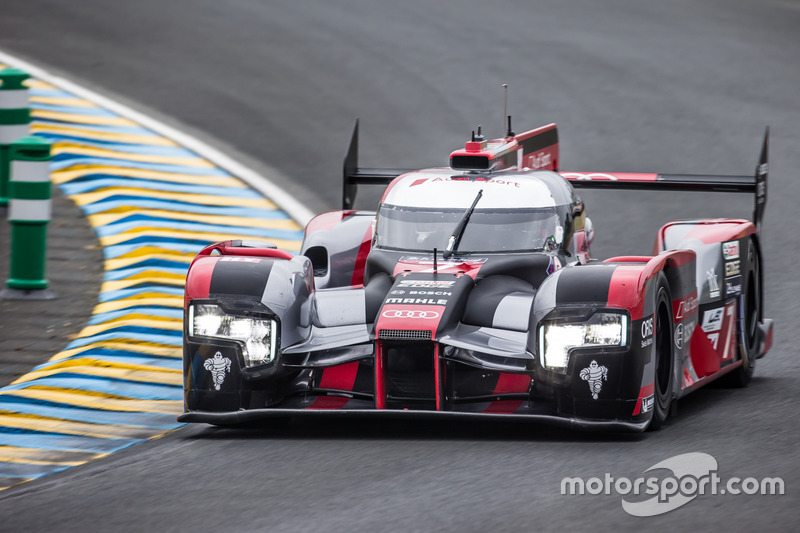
column 469, row 162
column 404, row 334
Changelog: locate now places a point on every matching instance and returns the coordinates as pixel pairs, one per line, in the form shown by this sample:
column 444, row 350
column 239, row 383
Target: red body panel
column 627, row 289
column 710, row 231
column 327, row 221
column 608, row 176
column 340, row 377
column 645, row 392
column 198, row 281
column 361, row 259
column 229, row 248
column 410, row 318
column 468, row 267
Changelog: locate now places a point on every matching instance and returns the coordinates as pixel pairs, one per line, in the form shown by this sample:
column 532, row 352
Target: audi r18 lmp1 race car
column 471, row 292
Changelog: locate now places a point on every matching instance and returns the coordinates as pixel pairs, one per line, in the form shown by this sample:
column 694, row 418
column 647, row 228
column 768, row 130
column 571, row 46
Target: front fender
column 627, row 284
column 273, row 278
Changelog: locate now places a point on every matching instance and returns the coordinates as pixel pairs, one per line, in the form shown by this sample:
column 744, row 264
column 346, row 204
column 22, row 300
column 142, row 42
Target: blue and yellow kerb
column 153, row 204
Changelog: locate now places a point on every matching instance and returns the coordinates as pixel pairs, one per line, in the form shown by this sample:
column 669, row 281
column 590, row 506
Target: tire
column 751, row 314
column 664, row 375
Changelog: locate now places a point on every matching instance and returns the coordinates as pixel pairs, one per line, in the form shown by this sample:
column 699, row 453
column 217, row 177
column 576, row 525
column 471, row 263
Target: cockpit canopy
column 514, row 212
column 422, row 229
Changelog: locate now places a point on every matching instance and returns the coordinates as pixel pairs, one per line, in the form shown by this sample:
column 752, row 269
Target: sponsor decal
column 647, row 403
column 495, row 181
column 647, row 327
column 432, row 293
column 713, row 283
column 761, row 188
column 219, row 367
column 670, row 484
column 536, row 161
column 686, row 307
column 733, row 286
column 555, row 264
column 240, row 259
column 425, row 259
column 425, row 284
column 732, row 268
column 594, row 176
column 594, row 375
column 647, row 332
column 712, row 325
column 730, row 250
column 417, row 301
column 683, row 333
column 679, row 336
column 410, row 313
column 712, row 320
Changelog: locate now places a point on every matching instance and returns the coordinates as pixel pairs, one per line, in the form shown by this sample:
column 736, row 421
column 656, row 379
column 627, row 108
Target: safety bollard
column 29, row 212
column 15, row 117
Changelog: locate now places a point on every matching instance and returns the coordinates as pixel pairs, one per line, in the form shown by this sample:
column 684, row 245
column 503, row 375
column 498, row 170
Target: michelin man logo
column 218, row 366
column 595, row 374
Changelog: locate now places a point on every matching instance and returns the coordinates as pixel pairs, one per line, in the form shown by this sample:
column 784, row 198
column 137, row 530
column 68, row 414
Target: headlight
column 602, row 329
column 256, row 334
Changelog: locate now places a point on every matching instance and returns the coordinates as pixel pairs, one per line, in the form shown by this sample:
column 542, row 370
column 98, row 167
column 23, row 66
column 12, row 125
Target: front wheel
column 664, row 375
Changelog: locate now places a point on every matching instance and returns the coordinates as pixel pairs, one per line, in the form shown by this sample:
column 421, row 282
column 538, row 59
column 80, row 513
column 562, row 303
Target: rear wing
column 538, row 149
column 756, row 184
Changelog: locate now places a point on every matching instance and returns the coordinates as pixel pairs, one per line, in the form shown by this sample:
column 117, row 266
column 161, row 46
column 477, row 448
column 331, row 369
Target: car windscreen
column 488, row 230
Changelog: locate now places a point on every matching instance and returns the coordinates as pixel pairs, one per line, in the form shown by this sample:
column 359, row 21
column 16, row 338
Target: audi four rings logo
column 401, row 313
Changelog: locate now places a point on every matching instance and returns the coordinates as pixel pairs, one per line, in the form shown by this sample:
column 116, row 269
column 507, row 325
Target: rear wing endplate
column 355, row 176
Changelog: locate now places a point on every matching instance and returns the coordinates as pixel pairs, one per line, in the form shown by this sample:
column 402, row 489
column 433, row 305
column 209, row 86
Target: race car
column 471, row 292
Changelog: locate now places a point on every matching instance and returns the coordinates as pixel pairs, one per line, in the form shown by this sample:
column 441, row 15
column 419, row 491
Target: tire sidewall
column 663, row 355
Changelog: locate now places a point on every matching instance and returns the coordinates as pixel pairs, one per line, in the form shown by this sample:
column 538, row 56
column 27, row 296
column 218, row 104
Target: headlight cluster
column 557, row 338
column 256, row 334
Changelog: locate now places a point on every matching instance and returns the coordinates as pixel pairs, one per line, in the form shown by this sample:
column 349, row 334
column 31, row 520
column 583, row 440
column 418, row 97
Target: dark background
column 671, row 86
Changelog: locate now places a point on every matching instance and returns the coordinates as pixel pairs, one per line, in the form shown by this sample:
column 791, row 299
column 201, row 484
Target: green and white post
column 15, row 117
column 29, row 211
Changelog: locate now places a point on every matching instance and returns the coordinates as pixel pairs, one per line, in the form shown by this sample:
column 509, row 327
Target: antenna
column 505, row 105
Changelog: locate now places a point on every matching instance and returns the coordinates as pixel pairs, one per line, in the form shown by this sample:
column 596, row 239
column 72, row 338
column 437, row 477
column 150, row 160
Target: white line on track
column 285, row 201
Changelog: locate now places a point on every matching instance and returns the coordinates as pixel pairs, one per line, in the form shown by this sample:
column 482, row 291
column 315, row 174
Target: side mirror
column 559, row 235
column 589, row 229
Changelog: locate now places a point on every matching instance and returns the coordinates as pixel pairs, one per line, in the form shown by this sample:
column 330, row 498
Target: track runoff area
column 155, row 197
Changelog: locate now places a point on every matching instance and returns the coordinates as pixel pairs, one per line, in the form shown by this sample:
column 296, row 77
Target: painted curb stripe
column 154, row 204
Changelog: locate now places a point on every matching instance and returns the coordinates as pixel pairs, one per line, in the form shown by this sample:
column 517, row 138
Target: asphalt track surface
column 676, row 86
